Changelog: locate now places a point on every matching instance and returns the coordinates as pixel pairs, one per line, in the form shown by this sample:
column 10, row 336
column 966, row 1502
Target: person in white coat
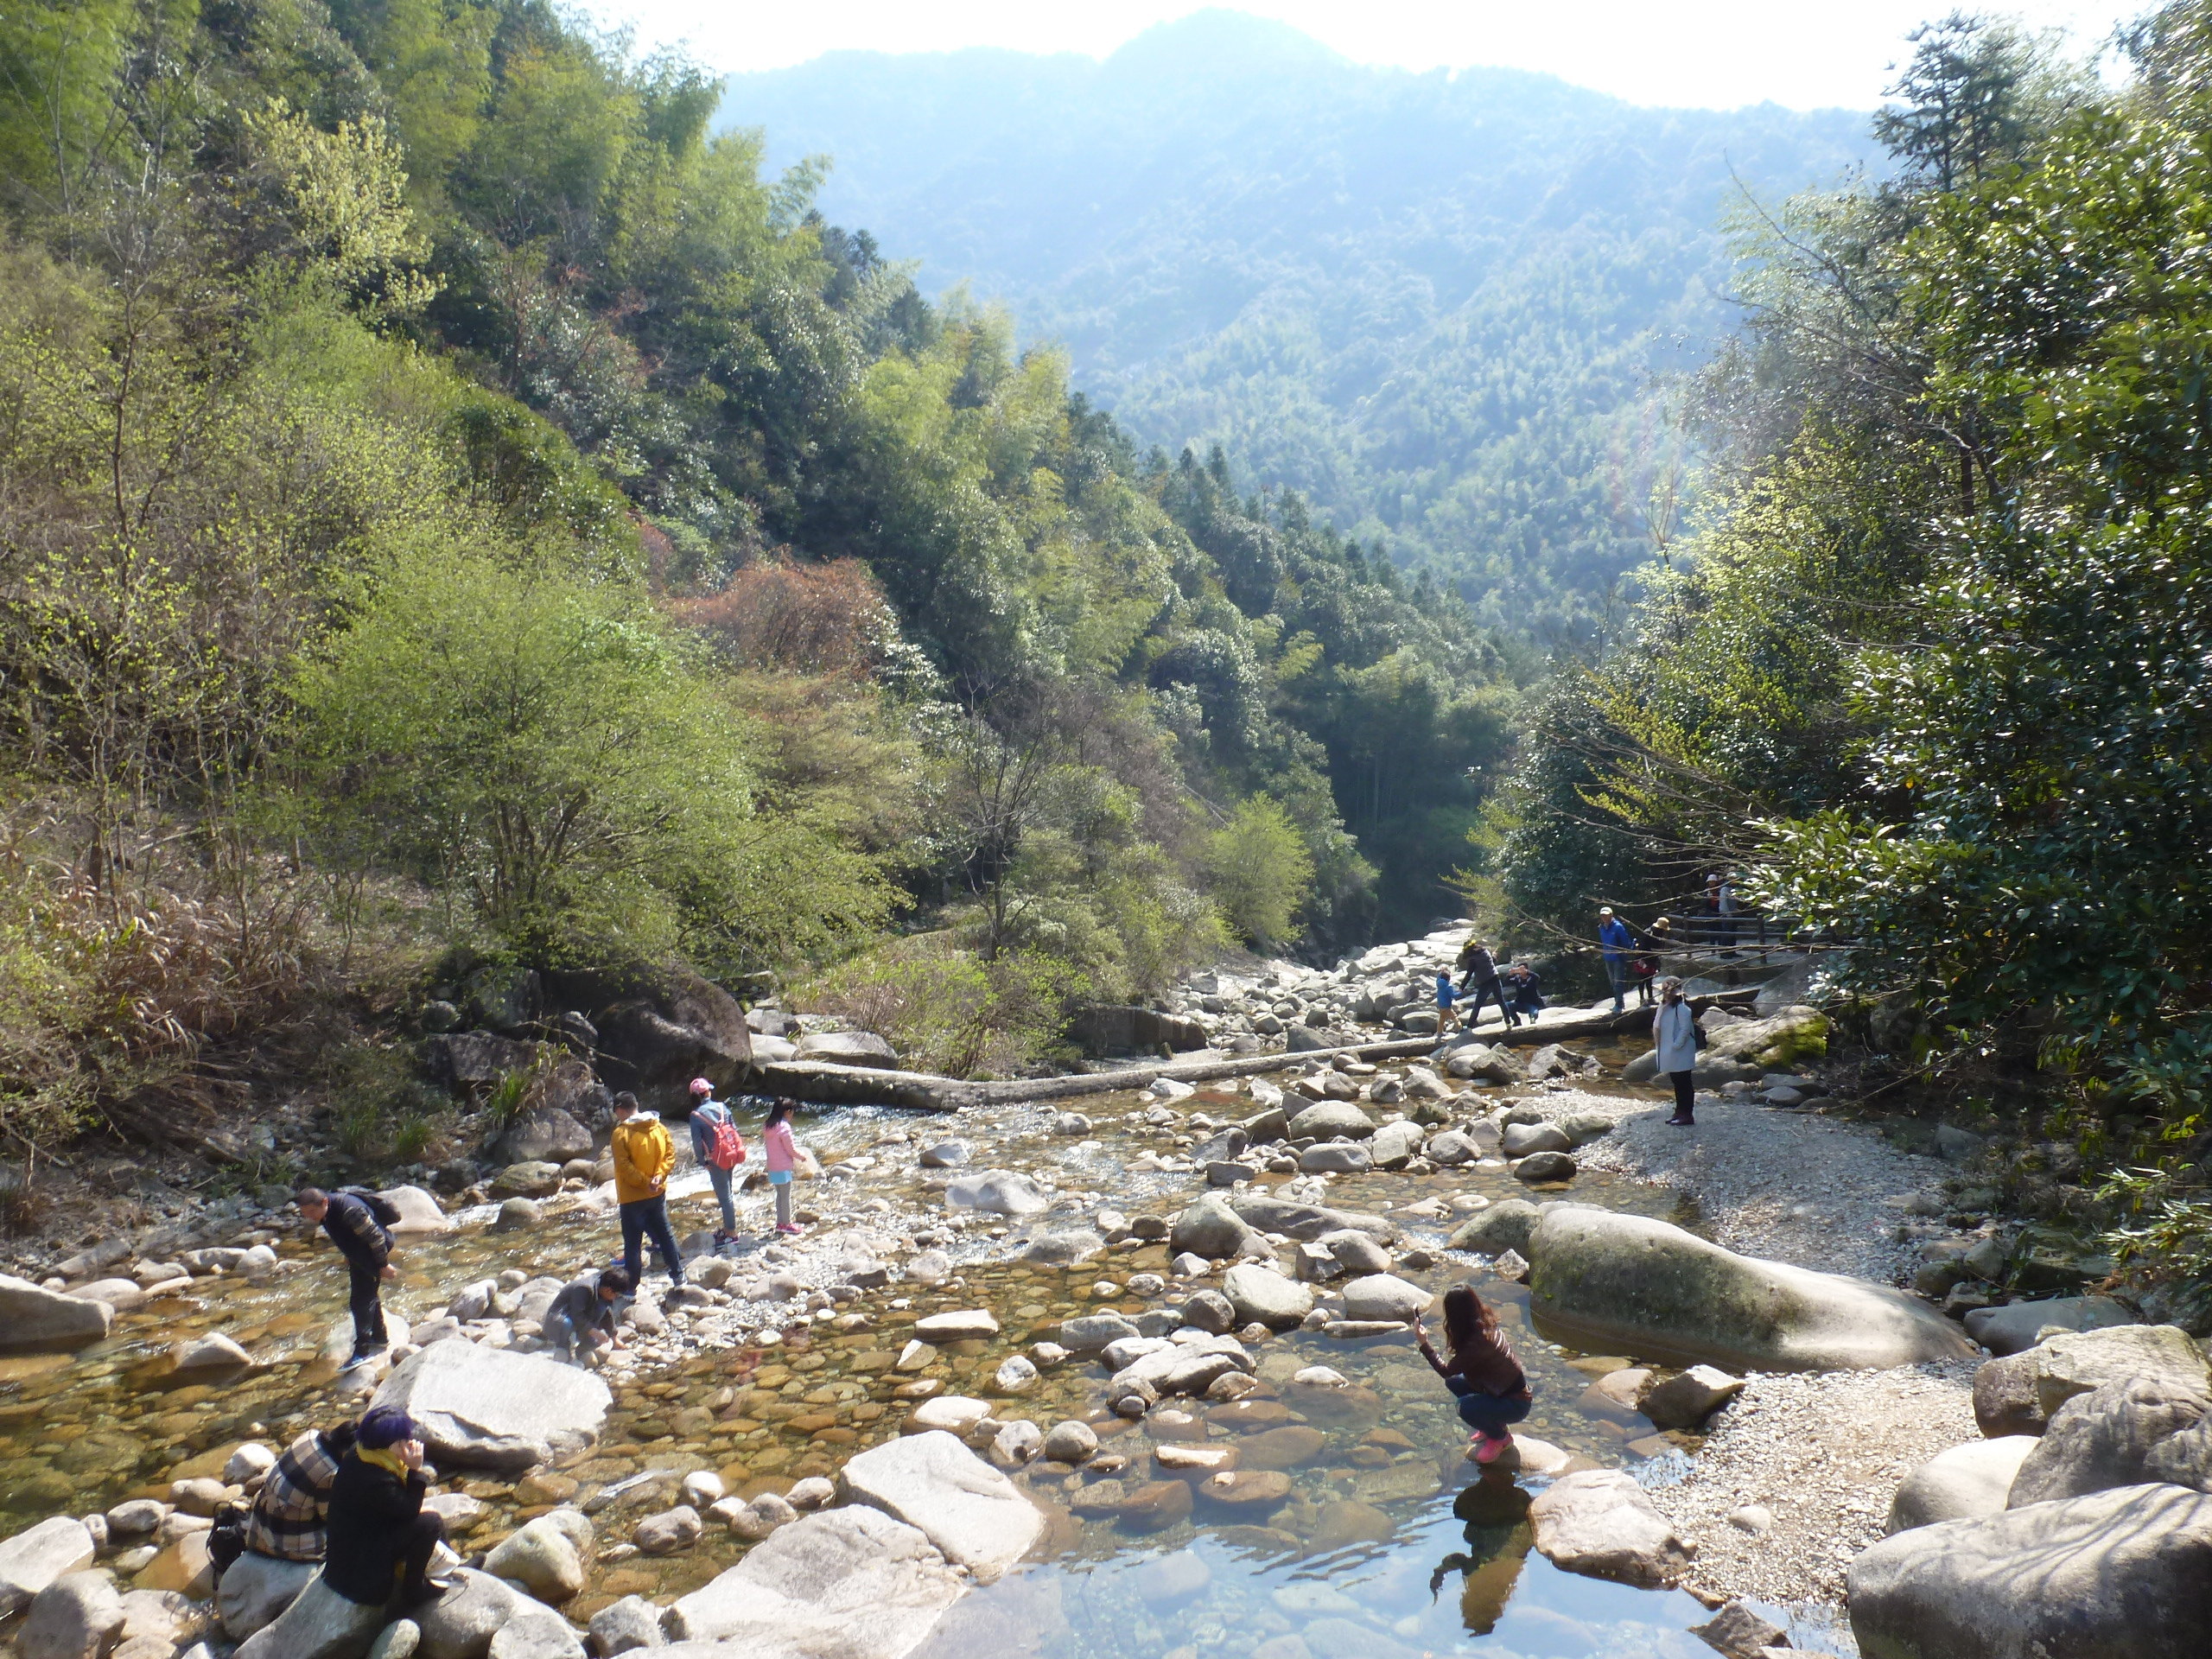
column 1673, row 1030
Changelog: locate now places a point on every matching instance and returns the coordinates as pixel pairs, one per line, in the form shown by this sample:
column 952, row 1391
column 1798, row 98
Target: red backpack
column 725, row 1145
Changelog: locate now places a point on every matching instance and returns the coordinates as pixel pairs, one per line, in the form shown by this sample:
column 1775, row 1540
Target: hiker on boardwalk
column 1675, row 1033
column 1617, row 942
column 1481, row 1369
column 1478, row 971
column 644, row 1159
column 357, row 1226
column 720, row 1149
column 381, row 1538
column 1523, row 989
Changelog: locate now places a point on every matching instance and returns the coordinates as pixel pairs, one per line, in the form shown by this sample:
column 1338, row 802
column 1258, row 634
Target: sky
column 1710, row 54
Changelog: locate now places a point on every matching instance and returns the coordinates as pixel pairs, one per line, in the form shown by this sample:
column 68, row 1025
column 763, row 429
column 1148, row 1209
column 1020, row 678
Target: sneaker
column 791, row 1227
column 359, row 1360
column 1678, row 1122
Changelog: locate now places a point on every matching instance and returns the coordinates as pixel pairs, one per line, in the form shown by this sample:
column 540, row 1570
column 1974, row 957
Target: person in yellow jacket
column 643, row 1156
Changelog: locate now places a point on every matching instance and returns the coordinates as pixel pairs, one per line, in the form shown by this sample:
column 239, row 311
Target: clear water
column 1391, row 1544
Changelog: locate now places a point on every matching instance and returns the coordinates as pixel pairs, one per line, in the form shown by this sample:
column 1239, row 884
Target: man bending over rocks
column 358, row 1233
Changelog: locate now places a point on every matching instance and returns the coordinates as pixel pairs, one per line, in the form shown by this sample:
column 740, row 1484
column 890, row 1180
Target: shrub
column 1260, row 871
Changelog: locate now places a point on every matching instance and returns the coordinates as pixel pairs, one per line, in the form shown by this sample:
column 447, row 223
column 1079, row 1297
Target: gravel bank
column 1822, row 1455
column 1795, row 1186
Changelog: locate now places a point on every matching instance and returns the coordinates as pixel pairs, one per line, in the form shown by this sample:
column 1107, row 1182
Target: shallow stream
column 1388, row 1547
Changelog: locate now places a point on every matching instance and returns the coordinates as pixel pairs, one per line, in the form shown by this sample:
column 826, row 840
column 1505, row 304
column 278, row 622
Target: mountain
column 1443, row 307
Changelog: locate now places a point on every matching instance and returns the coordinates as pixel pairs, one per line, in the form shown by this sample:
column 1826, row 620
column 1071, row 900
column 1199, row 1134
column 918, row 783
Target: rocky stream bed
column 1137, row 1381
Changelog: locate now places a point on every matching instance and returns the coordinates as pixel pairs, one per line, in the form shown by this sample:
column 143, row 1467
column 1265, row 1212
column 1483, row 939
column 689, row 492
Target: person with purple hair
column 380, row 1539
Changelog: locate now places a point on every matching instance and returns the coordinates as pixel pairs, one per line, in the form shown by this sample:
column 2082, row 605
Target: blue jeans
column 1616, row 977
column 644, row 1218
column 721, row 1179
column 1470, row 1004
column 1492, row 1414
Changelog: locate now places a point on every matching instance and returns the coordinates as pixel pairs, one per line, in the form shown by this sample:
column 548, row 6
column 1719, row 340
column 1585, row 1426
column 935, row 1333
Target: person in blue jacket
column 1614, row 936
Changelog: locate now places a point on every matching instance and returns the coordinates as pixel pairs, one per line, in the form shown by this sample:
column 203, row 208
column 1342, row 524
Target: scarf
column 385, row 1457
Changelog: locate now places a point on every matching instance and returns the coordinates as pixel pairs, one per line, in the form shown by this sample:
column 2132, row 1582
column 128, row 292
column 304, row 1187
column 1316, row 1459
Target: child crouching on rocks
column 1483, row 1371
column 580, row 1320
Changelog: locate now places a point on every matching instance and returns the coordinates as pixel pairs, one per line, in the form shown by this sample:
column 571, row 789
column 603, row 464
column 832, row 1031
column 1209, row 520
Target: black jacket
column 358, row 1234
column 369, row 1509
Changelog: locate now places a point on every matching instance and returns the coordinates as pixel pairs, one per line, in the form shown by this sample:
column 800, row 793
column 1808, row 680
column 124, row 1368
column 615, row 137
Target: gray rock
column 973, row 1514
column 1545, row 1166
column 1330, row 1120
column 1209, row 1228
column 626, row 1625
column 1062, row 1249
column 399, row 1640
column 1969, row 1480
column 1453, row 1148
column 2119, row 1575
column 495, row 1409
column 995, row 1192
column 549, row 1556
column 530, row 1180
column 1070, row 1125
column 1505, row 1226
column 2017, row 1326
column 1224, row 1145
column 1336, row 1157
column 1260, row 1295
column 1737, row 1633
column 2100, row 1440
column 1479, row 1062
column 1686, row 1401
column 668, row 1532
column 543, row 1134
column 321, row 1625
column 536, row 1632
column 1643, row 1069
column 2015, row 1394
column 946, row 1155
column 461, row 1622
column 1520, row 1139
column 1072, row 1441
column 1210, row 1311
column 844, row 1584
column 1599, row 1523
column 1957, row 1145
column 419, row 1214
column 78, row 1616
column 1628, row 1283
column 38, row 1556
column 959, row 1324
column 1306, row 1221
column 1356, row 1253
column 35, row 1321
column 1385, row 1297
column 1394, row 1145
column 518, row 1214
column 1089, row 1333
column 255, row 1589
column 848, row 1048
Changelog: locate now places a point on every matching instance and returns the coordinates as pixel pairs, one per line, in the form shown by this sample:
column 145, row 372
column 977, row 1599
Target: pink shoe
column 792, row 1228
column 1491, row 1450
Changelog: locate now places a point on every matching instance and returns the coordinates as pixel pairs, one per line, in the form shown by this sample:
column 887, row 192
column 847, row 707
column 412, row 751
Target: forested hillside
column 1936, row 671
column 1441, row 306
column 453, row 507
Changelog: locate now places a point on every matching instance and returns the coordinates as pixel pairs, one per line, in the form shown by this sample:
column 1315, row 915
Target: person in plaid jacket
column 286, row 1518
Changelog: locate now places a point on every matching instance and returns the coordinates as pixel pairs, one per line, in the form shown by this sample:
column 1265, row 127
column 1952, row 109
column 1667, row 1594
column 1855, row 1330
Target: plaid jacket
column 287, row 1513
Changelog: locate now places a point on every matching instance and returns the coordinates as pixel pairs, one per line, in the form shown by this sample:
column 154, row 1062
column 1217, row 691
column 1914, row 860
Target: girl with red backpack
column 721, row 1149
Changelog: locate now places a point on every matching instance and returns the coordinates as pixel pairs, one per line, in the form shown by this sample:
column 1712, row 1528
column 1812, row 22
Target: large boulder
column 536, row 1631
column 1600, row 1523
column 36, row 1321
column 975, row 1516
column 1628, row 1283
column 848, row 1048
column 38, row 1556
column 2017, row 1394
column 1384, row 1296
column 419, row 1213
column 495, row 1409
column 1774, row 1043
column 1306, row 1221
column 321, row 1625
column 543, row 1134
column 78, row 1616
column 1108, row 1028
column 995, row 1192
column 1331, row 1120
column 1394, row 1144
column 460, row 1623
column 2103, row 1439
column 2119, row 1575
column 2017, row 1326
column 1967, row 1481
column 463, row 1059
column 658, row 1028
column 256, row 1588
column 549, row 1556
column 1505, row 1226
column 1209, row 1228
column 842, row 1584
column 1262, row 1296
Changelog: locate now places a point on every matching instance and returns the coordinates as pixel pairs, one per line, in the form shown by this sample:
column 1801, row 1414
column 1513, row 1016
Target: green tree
column 1260, row 872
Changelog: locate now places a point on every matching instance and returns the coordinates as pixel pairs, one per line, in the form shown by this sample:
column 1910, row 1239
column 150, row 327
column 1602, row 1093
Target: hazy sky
column 1805, row 53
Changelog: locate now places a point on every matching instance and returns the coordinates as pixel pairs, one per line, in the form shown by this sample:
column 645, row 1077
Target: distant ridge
column 1440, row 305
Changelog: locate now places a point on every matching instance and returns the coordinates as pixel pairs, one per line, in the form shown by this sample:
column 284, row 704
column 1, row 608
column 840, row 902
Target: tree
column 1260, row 871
